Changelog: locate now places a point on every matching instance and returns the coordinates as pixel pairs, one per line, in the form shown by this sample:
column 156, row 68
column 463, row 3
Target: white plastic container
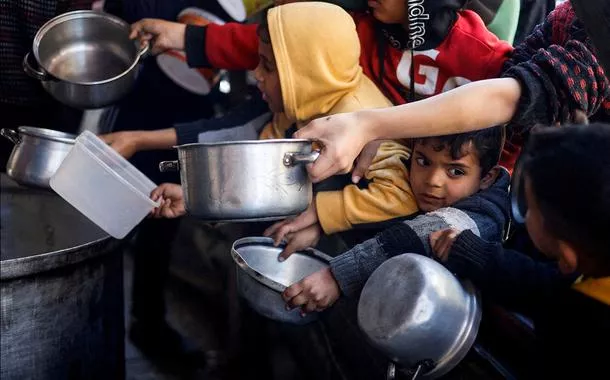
column 104, row 186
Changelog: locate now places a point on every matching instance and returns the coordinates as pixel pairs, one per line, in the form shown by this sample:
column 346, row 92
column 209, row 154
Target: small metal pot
column 244, row 180
column 37, row 154
column 261, row 277
column 416, row 312
column 85, row 59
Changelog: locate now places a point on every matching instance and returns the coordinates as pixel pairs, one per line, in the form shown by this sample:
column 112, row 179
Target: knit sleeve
column 558, row 72
column 511, row 278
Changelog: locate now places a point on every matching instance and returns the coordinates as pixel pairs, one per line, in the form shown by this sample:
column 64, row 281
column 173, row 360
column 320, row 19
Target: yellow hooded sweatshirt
column 317, row 52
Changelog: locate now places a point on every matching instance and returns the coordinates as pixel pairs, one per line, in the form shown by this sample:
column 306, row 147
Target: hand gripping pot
column 416, row 312
column 261, row 277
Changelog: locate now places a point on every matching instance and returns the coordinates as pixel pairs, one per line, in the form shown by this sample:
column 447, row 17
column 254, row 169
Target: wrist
column 179, row 36
column 368, row 125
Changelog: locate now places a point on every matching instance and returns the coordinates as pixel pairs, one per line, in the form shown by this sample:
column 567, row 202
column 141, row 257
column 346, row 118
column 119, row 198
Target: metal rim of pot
column 261, row 278
column 431, row 369
column 43, row 73
column 46, row 134
column 289, row 159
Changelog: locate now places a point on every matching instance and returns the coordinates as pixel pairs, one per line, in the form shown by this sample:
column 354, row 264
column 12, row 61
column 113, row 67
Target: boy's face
column 544, row 241
column 268, row 78
column 389, row 11
column 438, row 180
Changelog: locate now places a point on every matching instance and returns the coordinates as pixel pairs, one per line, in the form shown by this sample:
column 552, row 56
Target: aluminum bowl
column 261, row 277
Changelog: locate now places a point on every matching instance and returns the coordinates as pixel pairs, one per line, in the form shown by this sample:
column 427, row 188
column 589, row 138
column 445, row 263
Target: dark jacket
column 485, row 213
column 572, row 329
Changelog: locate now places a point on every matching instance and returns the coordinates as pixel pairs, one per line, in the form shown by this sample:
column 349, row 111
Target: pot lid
column 48, row 134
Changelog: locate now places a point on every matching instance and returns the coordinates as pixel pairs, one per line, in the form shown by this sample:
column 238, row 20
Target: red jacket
column 468, row 53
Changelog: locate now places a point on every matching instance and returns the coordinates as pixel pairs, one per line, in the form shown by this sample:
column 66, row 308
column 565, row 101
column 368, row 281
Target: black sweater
column 573, row 330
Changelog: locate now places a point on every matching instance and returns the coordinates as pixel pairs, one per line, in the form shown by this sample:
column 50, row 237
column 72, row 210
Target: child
column 552, row 77
column 455, row 181
column 567, row 190
column 307, row 72
column 449, row 47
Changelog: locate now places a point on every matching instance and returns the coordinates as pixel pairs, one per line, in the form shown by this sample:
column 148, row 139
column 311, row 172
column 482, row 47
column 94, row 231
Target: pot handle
column 143, row 53
column 11, row 135
column 293, row 159
column 169, row 166
column 34, row 73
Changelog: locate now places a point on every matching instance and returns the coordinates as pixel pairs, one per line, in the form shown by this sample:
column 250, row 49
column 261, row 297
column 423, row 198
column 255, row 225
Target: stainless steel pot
column 416, row 312
column 85, row 59
column 261, row 278
column 245, row 180
column 37, row 154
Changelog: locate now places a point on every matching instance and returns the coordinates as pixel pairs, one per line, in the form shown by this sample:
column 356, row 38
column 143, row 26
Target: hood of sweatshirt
column 317, row 52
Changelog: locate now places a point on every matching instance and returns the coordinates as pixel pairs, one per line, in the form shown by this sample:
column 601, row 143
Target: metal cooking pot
column 416, row 312
column 244, row 180
column 261, row 277
column 37, row 154
column 85, row 59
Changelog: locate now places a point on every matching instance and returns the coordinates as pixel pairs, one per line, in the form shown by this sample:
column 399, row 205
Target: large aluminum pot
column 416, row 312
column 37, row 154
column 261, row 277
column 244, row 180
column 85, row 59
column 61, row 291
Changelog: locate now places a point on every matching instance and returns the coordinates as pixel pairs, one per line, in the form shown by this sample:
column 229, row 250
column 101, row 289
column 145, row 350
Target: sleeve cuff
column 345, row 270
column 470, row 255
column 533, row 103
column 194, row 46
column 331, row 212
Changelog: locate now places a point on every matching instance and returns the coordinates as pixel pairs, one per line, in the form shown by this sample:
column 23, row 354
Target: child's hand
column 162, row 35
column 315, row 292
column 281, row 231
column 172, row 201
column 298, row 241
column 442, row 241
column 126, row 143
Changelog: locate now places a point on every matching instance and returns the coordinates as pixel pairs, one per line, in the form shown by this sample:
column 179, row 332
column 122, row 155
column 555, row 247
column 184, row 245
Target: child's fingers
column 291, row 247
column 269, row 232
column 298, row 301
column 292, row 291
column 310, row 307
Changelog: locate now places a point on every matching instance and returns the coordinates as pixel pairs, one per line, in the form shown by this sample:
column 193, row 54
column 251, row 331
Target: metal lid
column 259, row 258
column 48, row 134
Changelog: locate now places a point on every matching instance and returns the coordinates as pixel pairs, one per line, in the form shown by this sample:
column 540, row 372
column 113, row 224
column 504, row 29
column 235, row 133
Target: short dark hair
column 263, row 29
column 569, row 171
column 487, row 143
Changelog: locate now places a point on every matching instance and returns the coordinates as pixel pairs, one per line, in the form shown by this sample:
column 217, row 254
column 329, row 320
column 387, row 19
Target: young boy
column 455, row 182
column 307, row 72
column 567, row 190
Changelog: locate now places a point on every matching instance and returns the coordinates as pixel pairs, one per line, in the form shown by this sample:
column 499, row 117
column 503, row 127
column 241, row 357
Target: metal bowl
column 416, row 312
column 261, row 277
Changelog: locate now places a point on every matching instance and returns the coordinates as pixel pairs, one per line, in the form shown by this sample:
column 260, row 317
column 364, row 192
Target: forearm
column 474, row 106
column 159, row 139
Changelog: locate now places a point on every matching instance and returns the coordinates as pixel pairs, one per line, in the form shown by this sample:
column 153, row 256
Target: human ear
column 489, row 178
column 568, row 259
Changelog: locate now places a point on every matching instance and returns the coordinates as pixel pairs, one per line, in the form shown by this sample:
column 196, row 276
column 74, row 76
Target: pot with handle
column 419, row 315
column 37, row 154
column 84, row 59
column 245, row 180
